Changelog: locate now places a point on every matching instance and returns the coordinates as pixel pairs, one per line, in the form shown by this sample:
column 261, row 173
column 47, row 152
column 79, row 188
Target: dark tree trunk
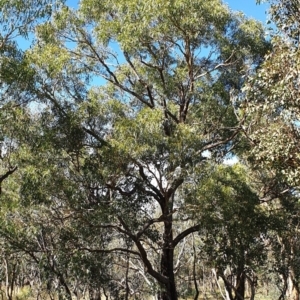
column 240, row 286
column 168, row 291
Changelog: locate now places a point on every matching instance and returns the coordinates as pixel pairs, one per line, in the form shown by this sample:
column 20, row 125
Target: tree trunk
column 252, row 282
column 240, row 286
column 293, row 289
column 168, row 291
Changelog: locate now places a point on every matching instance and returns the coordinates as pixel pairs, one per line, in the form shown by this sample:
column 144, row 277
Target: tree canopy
column 117, row 122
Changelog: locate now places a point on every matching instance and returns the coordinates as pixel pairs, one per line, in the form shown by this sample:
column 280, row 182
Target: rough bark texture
column 168, row 291
column 240, row 286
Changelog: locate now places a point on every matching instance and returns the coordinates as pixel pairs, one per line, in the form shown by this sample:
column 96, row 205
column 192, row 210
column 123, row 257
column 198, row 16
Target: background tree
column 233, row 226
column 273, row 116
column 273, row 95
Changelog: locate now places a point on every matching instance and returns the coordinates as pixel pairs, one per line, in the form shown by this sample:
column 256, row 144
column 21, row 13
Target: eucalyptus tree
column 273, row 95
column 273, row 117
column 234, row 225
column 17, row 22
column 136, row 102
column 16, row 19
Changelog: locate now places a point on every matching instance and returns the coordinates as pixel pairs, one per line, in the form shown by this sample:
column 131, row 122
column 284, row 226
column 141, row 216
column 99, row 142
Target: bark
column 293, row 289
column 240, row 286
column 168, row 291
column 228, row 286
column 194, row 271
column 235, row 291
column 293, row 282
column 252, row 284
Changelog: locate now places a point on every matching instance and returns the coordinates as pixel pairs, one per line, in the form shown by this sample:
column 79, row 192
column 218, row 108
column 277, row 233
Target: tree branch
column 9, row 172
column 109, row 250
column 143, row 254
column 185, row 233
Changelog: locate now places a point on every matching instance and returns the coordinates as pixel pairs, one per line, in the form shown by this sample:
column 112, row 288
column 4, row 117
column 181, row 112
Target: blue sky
column 250, row 8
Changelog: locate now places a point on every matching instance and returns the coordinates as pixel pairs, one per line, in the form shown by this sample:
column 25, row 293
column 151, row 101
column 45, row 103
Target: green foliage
column 233, row 222
column 130, row 118
column 273, row 96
